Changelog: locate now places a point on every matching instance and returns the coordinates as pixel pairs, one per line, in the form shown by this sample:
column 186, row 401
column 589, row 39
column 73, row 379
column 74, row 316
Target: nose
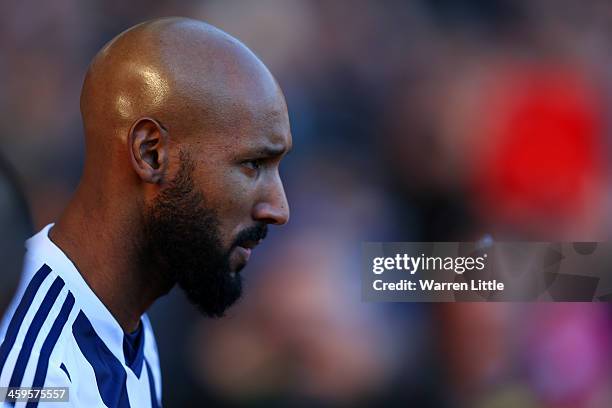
column 273, row 207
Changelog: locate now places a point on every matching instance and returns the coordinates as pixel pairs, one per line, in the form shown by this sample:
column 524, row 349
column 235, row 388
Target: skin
column 157, row 89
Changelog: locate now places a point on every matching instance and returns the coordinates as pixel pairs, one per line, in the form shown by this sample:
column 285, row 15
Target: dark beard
column 181, row 244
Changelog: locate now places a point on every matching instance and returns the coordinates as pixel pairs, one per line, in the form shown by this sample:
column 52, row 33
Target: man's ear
column 148, row 146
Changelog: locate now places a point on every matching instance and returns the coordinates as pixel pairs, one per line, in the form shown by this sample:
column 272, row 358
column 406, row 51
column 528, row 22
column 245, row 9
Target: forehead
column 256, row 121
column 233, row 104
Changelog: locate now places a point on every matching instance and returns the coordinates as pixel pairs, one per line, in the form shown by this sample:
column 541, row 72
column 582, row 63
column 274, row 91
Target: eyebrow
column 273, row 151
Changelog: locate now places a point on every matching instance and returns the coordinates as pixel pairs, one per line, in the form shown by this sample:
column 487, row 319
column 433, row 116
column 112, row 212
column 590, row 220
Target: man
column 185, row 129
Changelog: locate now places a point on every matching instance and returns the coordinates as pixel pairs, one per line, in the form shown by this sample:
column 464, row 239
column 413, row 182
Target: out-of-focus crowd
column 436, row 120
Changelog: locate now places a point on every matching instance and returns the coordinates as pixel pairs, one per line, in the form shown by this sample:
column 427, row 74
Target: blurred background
column 431, row 120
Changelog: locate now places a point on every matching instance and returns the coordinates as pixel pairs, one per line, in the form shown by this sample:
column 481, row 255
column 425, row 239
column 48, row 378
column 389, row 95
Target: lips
column 245, row 248
column 249, row 244
column 244, row 253
column 244, row 244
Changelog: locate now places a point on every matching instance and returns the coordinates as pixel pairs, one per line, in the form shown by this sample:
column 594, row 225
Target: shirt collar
column 106, row 326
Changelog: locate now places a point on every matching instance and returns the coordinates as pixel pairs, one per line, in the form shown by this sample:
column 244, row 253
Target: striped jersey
column 57, row 333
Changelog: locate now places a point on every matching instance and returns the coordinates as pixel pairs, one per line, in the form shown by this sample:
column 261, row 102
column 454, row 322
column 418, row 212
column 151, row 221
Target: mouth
column 244, row 251
column 249, row 244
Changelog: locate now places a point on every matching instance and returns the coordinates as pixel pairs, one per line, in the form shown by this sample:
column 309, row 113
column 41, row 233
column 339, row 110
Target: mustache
column 252, row 234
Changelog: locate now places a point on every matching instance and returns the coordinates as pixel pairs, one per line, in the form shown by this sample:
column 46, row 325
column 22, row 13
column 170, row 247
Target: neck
column 97, row 240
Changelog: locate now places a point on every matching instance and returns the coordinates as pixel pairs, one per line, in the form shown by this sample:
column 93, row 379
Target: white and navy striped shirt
column 57, row 333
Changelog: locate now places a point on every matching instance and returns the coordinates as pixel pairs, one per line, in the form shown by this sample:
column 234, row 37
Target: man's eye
column 253, row 164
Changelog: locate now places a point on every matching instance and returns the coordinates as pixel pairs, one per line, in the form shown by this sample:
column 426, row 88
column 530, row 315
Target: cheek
column 230, row 194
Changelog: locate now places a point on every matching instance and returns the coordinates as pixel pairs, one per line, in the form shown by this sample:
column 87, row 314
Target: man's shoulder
column 34, row 327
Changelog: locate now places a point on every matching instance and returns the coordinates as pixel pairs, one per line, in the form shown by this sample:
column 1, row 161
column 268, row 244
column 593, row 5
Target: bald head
column 186, row 74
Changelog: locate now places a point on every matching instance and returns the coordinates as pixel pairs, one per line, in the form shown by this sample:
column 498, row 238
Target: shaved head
column 185, row 129
column 190, row 76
